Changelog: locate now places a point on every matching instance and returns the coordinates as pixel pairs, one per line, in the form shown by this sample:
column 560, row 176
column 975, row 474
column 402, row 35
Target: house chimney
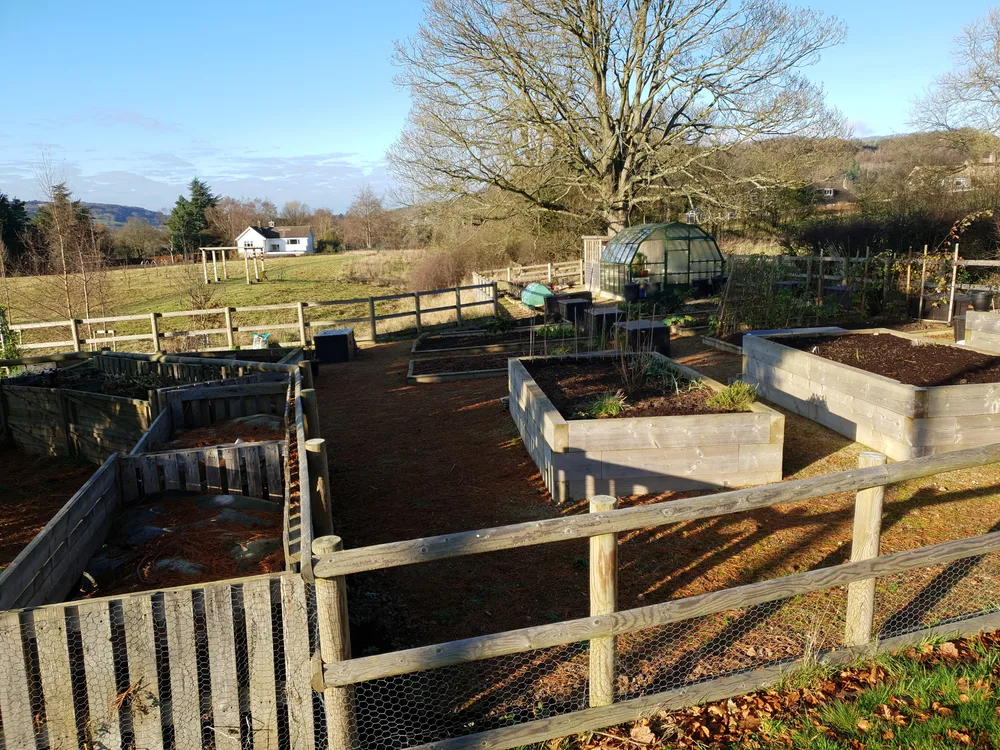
column 270, row 225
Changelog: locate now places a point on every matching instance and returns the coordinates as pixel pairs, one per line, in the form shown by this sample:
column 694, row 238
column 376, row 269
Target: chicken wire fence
column 460, row 700
column 229, row 665
column 225, row 665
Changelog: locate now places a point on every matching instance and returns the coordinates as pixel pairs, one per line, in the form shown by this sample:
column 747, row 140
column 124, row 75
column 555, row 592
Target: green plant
column 499, row 325
column 609, row 404
column 737, row 396
column 633, row 370
column 678, row 320
column 656, row 303
column 556, row 332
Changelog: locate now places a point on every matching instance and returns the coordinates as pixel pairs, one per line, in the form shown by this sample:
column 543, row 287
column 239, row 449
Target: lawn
column 136, row 290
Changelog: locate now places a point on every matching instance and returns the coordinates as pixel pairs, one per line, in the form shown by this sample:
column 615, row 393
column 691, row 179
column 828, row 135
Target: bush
column 735, row 397
column 437, row 270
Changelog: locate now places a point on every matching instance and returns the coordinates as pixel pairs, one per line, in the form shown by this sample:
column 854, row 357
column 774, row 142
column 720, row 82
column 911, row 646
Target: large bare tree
column 967, row 99
column 366, row 220
column 230, row 216
column 592, row 107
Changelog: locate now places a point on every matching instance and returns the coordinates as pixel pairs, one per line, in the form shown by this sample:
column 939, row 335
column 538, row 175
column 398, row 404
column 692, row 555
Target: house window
column 827, row 192
column 275, row 247
column 293, row 242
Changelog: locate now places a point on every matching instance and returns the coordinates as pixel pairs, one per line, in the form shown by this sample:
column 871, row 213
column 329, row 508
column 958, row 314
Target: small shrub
column 633, row 369
column 437, row 270
column 735, row 397
column 556, row 332
column 609, row 404
column 499, row 325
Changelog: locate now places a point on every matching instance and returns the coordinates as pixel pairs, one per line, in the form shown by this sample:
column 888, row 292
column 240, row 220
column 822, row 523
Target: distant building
column 277, row 240
column 834, row 196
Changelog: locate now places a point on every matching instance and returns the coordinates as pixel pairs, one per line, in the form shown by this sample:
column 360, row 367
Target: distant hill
column 110, row 214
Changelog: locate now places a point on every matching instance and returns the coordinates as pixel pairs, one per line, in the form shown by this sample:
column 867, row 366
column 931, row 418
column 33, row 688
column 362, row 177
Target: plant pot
column 982, row 301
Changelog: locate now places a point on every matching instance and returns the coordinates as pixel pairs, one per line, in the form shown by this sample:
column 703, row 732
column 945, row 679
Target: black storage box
column 335, row 345
column 643, row 335
column 572, row 310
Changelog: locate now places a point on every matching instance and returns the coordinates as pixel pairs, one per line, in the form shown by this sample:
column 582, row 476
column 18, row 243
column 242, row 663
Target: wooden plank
column 260, row 655
column 144, row 706
column 54, row 671
column 192, row 472
column 171, row 471
column 254, row 458
column 212, row 470
column 295, row 635
column 640, row 618
column 99, row 666
column 392, row 554
column 222, row 660
column 275, row 472
column 234, row 476
column 150, row 475
column 15, row 705
column 185, row 708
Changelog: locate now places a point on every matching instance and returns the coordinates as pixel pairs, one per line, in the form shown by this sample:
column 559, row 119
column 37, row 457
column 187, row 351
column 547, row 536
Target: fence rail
column 302, row 325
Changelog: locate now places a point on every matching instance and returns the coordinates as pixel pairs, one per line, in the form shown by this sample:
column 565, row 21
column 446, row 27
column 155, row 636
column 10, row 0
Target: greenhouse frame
column 660, row 256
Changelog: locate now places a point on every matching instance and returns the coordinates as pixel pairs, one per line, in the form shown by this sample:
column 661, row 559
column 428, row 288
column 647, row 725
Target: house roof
column 274, row 233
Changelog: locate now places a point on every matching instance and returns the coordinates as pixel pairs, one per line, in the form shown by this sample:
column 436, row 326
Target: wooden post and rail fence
column 484, row 294
column 341, row 673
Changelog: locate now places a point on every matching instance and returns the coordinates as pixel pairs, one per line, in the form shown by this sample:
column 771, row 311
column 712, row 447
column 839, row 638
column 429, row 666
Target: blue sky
column 295, row 100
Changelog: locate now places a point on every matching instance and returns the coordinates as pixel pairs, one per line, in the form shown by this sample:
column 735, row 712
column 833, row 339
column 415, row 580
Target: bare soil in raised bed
column 226, row 433
column 414, row 461
column 572, row 384
column 462, row 364
column 32, row 490
column 899, row 358
column 472, row 339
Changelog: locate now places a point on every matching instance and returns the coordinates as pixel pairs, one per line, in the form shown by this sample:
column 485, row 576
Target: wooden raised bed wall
column 59, row 422
column 903, row 421
column 585, row 457
column 982, row 331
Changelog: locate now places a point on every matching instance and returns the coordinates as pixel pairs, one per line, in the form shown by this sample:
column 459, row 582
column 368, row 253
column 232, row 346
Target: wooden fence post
column 508, row 274
column 319, row 494
column 954, row 278
column 215, row 266
column 305, row 368
column 864, row 546
column 603, row 601
column 246, row 262
column 458, row 306
column 923, row 280
column 303, row 340
column 204, row 264
column 225, row 271
column 822, row 276
column 256, row 273
column 74, row 329
column 154, row 331
column 334, row 646
column 416, row 311
column 550, row 272
column 230, row 335
column 496, row 301
column 583, row 274
column 310, row 405
column 371, row 319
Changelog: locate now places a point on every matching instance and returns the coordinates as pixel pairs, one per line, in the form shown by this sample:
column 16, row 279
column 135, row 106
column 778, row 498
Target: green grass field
column 164, row 289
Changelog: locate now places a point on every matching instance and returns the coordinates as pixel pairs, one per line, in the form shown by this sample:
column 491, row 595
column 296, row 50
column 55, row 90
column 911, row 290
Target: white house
column 277, row 240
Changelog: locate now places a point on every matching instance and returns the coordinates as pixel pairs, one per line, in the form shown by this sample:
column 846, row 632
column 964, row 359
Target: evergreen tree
column 187, row 223
column 13, row 227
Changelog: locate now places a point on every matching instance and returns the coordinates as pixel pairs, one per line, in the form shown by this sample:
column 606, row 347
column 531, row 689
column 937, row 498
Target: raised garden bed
column 982, row 331
column 645, row 453
column 891, row 391
column 255, row 428
column 444, row 369
column 518, row 341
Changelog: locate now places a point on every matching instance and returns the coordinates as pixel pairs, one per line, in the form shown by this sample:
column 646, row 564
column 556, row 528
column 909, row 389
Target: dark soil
column 225, row 433
column 32, row 490
column 462, row 364
column 572, row 385
column 899, row 358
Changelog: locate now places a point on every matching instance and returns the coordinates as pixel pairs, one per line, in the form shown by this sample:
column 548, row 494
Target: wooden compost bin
column 62, row 422
column 585, row 457
column 903, row 421
column 982, row 331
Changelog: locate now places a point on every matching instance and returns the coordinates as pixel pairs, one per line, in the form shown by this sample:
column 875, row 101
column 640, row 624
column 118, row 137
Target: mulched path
column 412, row 461
column 462, row 364
column 32, row 490
column 898, row 358
column 572, row 385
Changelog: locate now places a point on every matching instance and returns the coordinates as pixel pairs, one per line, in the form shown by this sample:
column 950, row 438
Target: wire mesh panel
column 421, row 707
column 224, row 665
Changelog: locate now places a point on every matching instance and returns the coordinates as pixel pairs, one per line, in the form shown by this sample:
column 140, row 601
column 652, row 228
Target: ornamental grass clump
column 738, row 396
column 609, row 404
